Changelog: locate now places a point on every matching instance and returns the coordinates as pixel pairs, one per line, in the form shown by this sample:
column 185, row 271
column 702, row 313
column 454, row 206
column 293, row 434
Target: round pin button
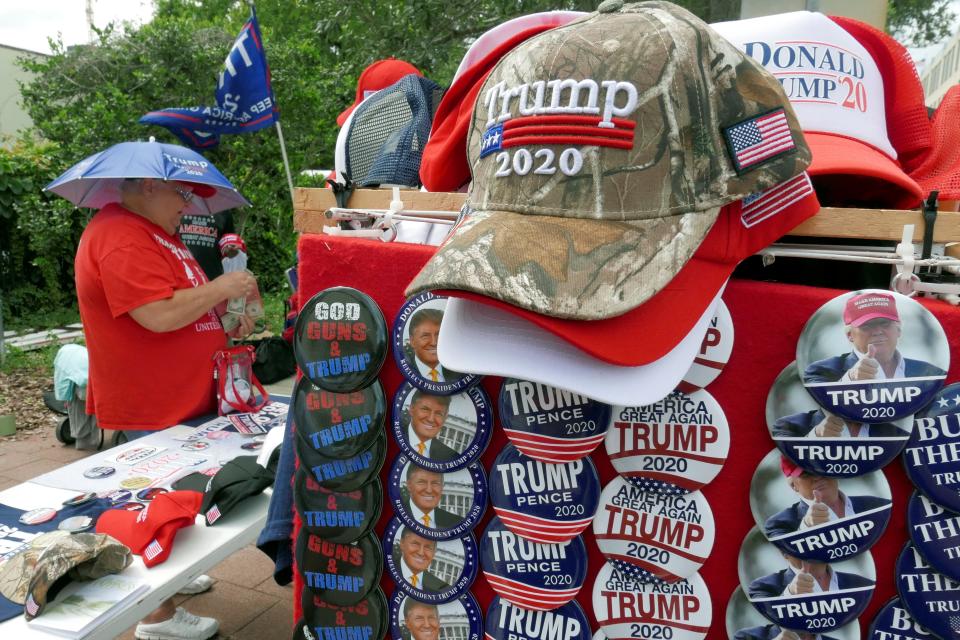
column 873, row 356
column 150, row 494
column 715, row 350
column 131, row 506
column 340, row 339
column 442, row 433
column 340, row 573
column 135, row 482
column 416, row 331
column 551, row 424
column 412, row 619
column 932, row 598
column 653, row 536
column 438, row 506
column 935, row 532
column 75, row 524
column 817, row 518
column 825, row 444
column 368, row 618
column 744, row 622
column 344, row 474
column 803, row 595
column 79, row 499
column 932, row 456
column 336, row 516
column 429, row 570
column 679, row 442
column 625, row 606
column 894, row 622
column 95, row 473
column 118, row 496
column 543, row 502
column 506, row 621
column 38, row 516
column 339, row 425
column 530, row 574
column 251, row 446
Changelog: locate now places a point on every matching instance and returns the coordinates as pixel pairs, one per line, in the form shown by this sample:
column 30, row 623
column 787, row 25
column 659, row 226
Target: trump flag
column 244, row 97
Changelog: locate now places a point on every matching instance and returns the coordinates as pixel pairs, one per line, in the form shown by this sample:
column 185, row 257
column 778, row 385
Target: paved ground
column 246, row 600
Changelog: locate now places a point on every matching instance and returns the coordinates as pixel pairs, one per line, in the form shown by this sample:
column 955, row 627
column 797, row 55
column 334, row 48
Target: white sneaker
column 200, row 584
column 182, row 626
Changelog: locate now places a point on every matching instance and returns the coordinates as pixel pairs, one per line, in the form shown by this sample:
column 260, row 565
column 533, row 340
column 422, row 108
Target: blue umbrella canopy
column 95, row 181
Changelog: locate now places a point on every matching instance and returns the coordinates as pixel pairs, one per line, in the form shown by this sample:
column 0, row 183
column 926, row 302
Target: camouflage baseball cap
column 601, row 153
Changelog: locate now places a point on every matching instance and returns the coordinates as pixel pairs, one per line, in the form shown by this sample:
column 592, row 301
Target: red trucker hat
column 869, row 306
column 150, row 532
column 379, row 75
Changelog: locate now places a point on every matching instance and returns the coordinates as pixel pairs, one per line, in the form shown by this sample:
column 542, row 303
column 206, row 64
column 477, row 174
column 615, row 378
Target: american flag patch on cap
column 213, row 514
column 759, row 206
column 152, row 550
column 756, row 140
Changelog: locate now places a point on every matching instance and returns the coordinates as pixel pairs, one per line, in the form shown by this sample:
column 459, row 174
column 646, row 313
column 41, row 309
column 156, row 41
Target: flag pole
column 286, row 162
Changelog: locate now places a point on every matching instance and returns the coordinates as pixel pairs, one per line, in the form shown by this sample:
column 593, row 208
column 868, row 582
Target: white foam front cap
column 479, row 338
column 817, row 30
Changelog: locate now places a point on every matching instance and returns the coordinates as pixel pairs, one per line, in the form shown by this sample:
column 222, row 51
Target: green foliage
column 917, row 23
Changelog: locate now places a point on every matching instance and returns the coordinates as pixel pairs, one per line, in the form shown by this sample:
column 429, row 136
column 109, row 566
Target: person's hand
column 244, row 329
column 867, row 367
column 236, row 284
column 786, row 634
column 802, row 582
column 818, row 513
column 829, row 427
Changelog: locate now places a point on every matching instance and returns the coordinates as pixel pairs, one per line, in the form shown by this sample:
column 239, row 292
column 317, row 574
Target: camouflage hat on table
column 601, row 153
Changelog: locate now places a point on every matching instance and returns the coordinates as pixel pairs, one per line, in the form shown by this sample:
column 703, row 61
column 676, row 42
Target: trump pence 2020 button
column 340, row 573
column 932, row 456
column 540, row 501
column 681, row 441
column 530, row 574
column 337, row 516
column 339, row 425
column 653, row 536
column 506, row 621
column 932, row 598
column 935, row 533
column 429, row 570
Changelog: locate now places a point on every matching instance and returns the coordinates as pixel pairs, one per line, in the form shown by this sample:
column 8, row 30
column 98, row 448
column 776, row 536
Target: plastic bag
column 238, row 389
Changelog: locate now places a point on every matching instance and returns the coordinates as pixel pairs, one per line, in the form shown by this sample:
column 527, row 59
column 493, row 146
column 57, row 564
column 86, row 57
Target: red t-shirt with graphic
column 140, row 379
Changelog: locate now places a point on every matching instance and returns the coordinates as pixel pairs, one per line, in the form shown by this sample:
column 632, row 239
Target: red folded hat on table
column 150, row 532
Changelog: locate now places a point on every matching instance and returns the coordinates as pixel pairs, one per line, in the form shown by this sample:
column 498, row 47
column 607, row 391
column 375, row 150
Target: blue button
column 932, row 598
column 894, row 622
column 507, row 621
column 935, row 533
column 429, row 570
column 411, row 618
column 932, row 456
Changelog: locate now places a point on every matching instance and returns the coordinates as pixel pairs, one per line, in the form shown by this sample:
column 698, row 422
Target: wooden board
column 310, row 206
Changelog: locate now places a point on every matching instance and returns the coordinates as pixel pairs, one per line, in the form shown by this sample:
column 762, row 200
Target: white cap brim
column 479, row 338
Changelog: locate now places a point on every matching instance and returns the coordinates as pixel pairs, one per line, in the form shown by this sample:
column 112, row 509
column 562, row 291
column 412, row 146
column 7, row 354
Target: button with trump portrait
column 416, row 332
column 336, row 516
column 653, row 536
column 550, row 424
column 442, row 433
column 339, row 425
column 368, row 619
column 823, row 443
column 817, row 518
column 626, row 607
column 506, row 621
column 931, row 598
column 935, row 532
column 532, row 575
column 744, row 622
column 932, row 455
column 429, row 570
column 340, row 339
column 543, row 502
column 873, row 356
column 894, row 622
column 714, row 353
column 804, row 596
column 411, row 619
column 343, row 474
column 680, row 442
column 438, row 506
column 340, row 573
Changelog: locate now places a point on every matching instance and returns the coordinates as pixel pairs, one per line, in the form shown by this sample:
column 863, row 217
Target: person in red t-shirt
column 147, row 313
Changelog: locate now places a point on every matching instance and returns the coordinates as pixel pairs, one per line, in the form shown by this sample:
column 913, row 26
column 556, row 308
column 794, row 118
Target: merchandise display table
column 767, row 318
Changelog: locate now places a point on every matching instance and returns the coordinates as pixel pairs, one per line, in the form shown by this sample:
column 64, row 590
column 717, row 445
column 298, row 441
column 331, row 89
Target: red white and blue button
column 932, row 456
column 429, row 570
column 931, row 598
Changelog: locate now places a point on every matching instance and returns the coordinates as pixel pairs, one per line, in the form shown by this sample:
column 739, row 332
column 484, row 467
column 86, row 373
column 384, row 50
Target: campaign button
column 873, row 356
column 340, row 339
column 343, row 474
column 38, row 516
column 411, row 619
column 932, row 598
column 340, row 573
column 442, row 433
column 935, row 532
column 95, row 473
column 817, row 518
column 894, row 622
column 416, row 331
column 337, row 516
column 653, row 536
column 681, row 441
column 429, row 570
column 135, row 482
column 550, row 424
column 196, row 445
column 804, row 595
column 75, row 524
column 118, row 496
column 131, row 506
column 714, row 353
column 823, row 443
column 932, row 456
column 339, row 425
column 149, row 494
column 251, row 446
column 744, row 622
column 540, row 501
column 438, row 506
column 79, row 499
column 626, row 607
column 322, row 620
column 506, row 621
column 532, row 575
